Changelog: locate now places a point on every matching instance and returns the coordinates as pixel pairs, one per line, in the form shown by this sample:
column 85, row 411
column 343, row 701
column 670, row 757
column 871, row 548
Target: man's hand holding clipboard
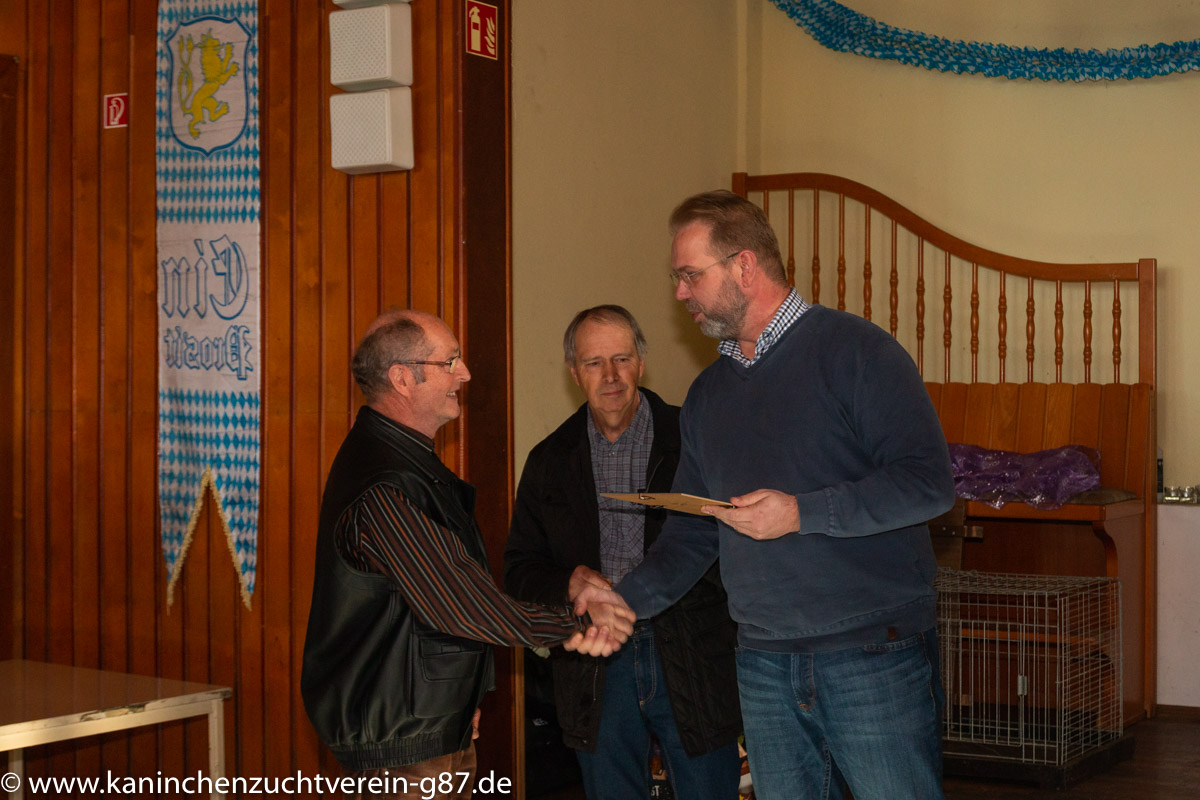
column 761, row 514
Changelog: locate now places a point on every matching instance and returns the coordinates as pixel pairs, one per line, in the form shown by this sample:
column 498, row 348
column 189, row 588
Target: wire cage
column 1031, row 665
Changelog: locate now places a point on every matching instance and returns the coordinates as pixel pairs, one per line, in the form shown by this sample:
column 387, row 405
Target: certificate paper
column 675, row 501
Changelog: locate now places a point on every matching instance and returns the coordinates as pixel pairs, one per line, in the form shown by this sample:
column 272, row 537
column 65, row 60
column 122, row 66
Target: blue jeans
column 870, row 714
column 636, row 704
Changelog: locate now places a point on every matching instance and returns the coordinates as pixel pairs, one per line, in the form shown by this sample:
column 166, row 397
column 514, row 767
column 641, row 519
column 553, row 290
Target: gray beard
column 726, row 323
column 719, row 328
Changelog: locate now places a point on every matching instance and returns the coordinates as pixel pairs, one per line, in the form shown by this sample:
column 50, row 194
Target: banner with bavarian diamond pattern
column 208, row 257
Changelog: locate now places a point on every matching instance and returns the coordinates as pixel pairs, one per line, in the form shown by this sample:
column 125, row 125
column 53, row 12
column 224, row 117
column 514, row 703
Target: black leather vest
column 381, row 688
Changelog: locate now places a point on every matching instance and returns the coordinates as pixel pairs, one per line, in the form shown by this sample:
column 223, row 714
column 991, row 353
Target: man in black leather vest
column 675, row 678
column 404, row 611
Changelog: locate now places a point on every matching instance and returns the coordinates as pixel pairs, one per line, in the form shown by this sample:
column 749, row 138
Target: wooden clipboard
column 675, row 501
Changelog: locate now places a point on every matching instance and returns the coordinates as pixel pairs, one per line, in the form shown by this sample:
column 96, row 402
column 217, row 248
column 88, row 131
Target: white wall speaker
column 361, row 3
column 371, row 131
column 371, row 48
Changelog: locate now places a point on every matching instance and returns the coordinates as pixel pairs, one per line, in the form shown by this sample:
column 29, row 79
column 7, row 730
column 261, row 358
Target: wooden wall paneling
column 171, row 742
column 366, row 272
column 192, row 598
column 114, row 299
column 12, row 457
column 147, row 591
column 306, row 505
column 453, row 184
column 59, row 326
column 393, row 243
column 423, row 255
column 339, row 398
column 400, row 280
column 223, row 636
column 308, row 119
column 85, row 236
column 60, row 495
column 275, row 546
column 147, row 595
column 341, row 333
column 430, row 140
column 248, row 710
column 34, row 279
column 274, row 551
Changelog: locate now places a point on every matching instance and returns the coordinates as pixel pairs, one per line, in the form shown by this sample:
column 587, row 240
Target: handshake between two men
column 612, row 618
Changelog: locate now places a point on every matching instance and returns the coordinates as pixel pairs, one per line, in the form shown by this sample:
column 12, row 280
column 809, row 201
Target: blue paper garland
column 840, row 28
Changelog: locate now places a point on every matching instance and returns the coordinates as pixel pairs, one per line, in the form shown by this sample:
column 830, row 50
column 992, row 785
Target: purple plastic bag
column 1046, row 479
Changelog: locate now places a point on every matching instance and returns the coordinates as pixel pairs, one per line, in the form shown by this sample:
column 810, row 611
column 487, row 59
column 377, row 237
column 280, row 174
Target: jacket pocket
column 445, row 673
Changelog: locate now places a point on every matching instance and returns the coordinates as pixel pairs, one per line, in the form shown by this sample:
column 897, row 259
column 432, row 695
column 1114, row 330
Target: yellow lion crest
column 216, row 67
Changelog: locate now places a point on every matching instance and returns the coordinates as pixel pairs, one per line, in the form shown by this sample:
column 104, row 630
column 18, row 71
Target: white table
column 42, row 703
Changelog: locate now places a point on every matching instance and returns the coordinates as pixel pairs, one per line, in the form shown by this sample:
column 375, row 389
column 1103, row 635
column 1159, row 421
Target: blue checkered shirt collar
column 790, row 310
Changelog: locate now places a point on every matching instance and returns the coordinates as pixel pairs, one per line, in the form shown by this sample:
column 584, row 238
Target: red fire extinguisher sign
column 483, row 29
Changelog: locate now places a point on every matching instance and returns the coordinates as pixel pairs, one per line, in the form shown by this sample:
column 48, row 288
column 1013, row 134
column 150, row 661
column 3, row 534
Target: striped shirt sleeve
column 444, row 586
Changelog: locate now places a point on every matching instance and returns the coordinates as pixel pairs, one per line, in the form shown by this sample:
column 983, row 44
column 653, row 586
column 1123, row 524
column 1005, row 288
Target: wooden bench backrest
column 1114, row 418
column 964, row 312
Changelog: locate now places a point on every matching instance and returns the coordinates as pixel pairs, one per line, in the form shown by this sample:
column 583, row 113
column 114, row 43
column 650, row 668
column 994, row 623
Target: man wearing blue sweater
column 816, row 426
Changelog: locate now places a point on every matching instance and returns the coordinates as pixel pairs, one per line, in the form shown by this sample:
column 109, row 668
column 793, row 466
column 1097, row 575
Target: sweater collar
column 790, row 310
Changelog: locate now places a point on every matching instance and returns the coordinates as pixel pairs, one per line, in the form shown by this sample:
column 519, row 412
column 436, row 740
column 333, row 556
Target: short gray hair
column 399, row 339
column 608, row 313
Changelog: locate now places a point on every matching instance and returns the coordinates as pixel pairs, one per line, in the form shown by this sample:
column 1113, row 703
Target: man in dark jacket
column 397, row 655
column 675, row 677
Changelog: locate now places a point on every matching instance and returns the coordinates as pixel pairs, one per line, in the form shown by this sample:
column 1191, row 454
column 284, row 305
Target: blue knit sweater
column 835, row 414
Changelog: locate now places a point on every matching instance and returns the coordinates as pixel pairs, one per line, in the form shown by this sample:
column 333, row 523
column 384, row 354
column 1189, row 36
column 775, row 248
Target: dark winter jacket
column 556, row 527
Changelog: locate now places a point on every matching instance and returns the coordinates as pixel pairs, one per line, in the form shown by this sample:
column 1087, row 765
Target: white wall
column 620, row 110
column 1060, row 172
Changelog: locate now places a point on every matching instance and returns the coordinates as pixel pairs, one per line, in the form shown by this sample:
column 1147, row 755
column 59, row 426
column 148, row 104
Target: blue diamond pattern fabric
column 208, row 245
column 837, row 27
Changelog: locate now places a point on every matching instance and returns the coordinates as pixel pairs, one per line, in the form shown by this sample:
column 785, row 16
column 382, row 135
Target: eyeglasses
column 449, row 363
column 688, row 277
